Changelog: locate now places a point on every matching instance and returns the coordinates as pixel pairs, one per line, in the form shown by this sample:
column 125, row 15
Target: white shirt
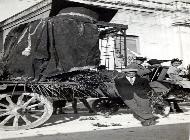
column 129, row 79
column 174, row 73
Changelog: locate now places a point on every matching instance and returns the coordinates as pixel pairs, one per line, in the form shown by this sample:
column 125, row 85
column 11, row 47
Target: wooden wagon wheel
column 105, row 106
column 23, row 111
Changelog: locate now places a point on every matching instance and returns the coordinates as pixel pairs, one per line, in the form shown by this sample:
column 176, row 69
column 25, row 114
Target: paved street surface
column 119, row 126
column 162, row 132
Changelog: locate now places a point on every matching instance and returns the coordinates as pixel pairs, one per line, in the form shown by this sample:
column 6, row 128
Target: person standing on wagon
column 133, row 91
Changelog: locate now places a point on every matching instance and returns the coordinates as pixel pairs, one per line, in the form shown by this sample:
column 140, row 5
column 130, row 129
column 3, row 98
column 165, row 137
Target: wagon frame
column 25, row 105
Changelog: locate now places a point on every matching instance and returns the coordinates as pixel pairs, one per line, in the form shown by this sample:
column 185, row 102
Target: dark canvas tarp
column 51, row 45
column 105, row 14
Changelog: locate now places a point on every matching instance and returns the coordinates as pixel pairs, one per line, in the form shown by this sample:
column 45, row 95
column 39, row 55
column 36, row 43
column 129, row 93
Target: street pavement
column 162, row 132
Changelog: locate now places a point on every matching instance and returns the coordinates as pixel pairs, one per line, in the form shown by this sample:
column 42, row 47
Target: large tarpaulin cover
column 104, row 13
column 52, row 45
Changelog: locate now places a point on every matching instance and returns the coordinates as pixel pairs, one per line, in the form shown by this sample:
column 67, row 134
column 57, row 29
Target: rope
column 27, row 50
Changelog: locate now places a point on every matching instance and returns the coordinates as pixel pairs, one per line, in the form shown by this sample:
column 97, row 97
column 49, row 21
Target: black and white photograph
column 95, row 69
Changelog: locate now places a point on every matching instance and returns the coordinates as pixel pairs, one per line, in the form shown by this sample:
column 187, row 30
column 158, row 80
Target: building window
column 132, row 49
column 113, row 51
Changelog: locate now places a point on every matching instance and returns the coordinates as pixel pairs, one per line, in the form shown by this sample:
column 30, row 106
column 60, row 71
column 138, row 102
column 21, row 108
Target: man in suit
column 133, row 90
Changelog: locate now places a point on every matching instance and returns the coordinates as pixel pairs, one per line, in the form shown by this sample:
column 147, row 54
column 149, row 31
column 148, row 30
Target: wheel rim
column 105, row 106
column 25, row 111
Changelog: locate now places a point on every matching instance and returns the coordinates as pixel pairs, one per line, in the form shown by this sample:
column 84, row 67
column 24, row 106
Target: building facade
column 155, row 29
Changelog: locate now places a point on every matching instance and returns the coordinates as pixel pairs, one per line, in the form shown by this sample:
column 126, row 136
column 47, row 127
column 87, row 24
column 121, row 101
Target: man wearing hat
column 137, row 64
column 133, row 90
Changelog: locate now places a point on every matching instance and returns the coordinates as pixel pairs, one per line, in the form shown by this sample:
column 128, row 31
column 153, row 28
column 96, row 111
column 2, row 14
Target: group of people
column 135, row 84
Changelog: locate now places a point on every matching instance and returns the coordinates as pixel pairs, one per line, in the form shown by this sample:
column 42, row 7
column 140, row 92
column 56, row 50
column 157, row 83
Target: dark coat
column 126, row 90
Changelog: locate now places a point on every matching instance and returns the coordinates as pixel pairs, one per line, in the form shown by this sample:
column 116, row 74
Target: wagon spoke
column 103, row 101
column 28, row 102
column 107, row 101
column 19, row 101
column 26, row 120
column 15, row 121
column 3, row 105
column 34, row 105
column 37, row 111
column 35, row 116
column 97, row 105
column 2, row 96
column 4, row 114
column 6, row 119
column 9, row 100
column 3, row 110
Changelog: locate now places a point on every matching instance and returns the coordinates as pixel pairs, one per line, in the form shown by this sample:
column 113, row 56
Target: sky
column 9, row 8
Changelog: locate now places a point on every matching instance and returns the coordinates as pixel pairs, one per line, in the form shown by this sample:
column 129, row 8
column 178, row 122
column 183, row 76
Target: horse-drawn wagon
column 39, row 61
column 44, row 61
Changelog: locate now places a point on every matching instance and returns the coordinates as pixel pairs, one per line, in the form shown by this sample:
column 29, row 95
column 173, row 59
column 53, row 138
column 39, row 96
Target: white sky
column 11, row 7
